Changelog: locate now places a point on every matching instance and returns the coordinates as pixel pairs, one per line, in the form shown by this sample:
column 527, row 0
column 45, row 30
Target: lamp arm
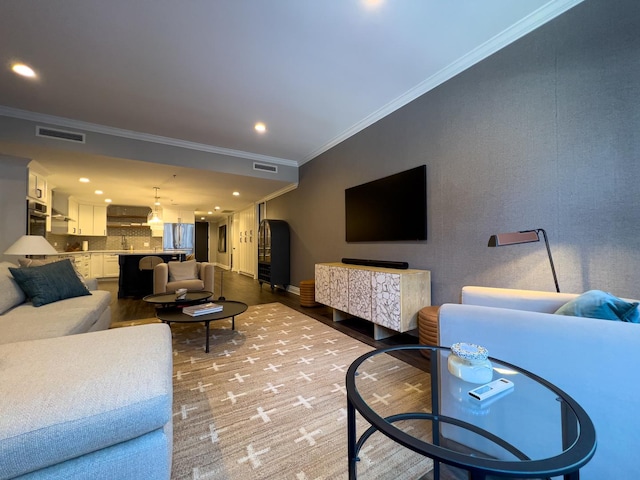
column 553, row 269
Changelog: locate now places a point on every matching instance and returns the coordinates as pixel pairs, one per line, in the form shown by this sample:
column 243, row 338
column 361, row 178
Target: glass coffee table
column 533, row 430
column 229, row 310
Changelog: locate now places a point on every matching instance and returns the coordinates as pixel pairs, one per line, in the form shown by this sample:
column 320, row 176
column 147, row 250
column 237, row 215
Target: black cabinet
column 273, row 253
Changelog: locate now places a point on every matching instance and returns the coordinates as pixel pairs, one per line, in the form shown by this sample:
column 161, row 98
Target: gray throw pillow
column 182, row 271
column 11, row 295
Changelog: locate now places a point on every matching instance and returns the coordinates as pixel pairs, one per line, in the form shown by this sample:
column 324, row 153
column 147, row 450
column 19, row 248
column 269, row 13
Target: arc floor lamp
column 525, row 236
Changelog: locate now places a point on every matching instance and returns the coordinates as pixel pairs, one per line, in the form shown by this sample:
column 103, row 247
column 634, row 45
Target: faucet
column 124, row 242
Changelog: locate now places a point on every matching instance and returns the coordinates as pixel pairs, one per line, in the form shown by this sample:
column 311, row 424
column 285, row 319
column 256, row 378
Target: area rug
column 269, row 401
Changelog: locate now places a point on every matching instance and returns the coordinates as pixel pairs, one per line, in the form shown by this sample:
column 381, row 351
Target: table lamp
column 28, row 245
column 525, row 236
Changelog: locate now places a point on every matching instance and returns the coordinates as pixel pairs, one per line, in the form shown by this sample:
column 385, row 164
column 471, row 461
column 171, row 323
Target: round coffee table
column 229, row 309
column 165, row 300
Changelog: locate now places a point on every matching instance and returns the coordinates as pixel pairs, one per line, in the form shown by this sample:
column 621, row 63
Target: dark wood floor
column 245, row 289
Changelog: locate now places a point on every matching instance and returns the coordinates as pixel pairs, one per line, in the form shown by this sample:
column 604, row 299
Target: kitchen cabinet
column 97, row 265
column 110, row 265
column 100, row 220
column 92, row 220
column 72, row 212
column 83, row 264
column 37, row 187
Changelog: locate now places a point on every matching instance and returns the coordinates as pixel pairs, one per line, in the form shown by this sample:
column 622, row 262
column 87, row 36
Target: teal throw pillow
column 49, row 283
column 603, row 305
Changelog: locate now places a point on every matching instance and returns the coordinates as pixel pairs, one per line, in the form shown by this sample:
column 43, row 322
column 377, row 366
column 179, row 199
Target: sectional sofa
column 591, row 359
column 78, row 400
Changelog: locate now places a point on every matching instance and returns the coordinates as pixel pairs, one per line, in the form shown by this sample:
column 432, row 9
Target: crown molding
column 519, row 29
column 277, row 193
column 145, row 137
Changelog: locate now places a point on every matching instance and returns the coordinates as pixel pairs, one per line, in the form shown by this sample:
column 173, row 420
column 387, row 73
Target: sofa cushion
column 36, row 262
column 49, row 283
column 78, row 394
column 11, row 294
column 65, row 317
column 602, row 305
column 182, row 271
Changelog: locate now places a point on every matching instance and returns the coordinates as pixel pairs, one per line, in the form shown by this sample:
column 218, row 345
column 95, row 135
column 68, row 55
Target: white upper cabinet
column 37, row 187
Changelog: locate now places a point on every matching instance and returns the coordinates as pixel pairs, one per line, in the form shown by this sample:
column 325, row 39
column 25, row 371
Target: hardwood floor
column 245, row 289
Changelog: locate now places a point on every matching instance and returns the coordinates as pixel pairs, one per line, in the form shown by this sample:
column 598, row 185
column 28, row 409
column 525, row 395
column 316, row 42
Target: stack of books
column 202, row 309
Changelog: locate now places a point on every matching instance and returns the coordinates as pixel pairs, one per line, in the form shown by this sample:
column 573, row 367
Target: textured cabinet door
column 340, row 288
column 323, row 284
column 385, row 300
column 360, row 288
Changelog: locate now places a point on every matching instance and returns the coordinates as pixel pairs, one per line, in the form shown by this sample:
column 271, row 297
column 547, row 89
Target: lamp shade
column 31, row 245
column 502, row 239
column 525, row 236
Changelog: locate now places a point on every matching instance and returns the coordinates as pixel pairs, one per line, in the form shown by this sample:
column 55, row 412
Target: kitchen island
column 137, row 283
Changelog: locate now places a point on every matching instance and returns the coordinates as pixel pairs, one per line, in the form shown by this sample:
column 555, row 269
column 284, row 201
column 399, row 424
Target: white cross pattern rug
column 269, row 401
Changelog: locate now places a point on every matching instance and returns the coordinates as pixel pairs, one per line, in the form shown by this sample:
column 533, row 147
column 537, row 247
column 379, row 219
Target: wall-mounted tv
column 392, row 208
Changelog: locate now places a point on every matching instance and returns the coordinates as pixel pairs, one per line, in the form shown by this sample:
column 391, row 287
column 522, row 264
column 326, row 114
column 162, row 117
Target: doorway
column 202, row 242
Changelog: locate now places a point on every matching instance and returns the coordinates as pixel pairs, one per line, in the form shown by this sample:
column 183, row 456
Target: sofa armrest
column 529, row 300
column 160, row 278
column 91, row 283
column 207, row 275
column 590, row 359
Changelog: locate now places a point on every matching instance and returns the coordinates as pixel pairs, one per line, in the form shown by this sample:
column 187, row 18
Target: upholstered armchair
column 192, row 275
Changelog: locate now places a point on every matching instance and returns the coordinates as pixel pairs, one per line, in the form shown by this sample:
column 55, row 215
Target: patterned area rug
column 269, row 401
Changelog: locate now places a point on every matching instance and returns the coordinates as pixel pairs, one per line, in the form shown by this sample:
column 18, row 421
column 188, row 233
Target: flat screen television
column 392, row 208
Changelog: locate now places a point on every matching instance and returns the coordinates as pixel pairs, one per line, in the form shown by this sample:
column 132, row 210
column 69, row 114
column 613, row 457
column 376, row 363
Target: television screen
column 393, row 208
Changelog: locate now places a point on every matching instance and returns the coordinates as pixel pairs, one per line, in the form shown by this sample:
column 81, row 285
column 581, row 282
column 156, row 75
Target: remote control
column 491, row 389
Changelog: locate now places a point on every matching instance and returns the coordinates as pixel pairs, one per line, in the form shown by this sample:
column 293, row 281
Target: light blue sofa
column 20, row 320
column 595, row 361
column 93, row 406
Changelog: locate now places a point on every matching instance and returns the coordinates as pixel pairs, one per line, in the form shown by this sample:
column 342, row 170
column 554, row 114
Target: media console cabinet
column 389, row 298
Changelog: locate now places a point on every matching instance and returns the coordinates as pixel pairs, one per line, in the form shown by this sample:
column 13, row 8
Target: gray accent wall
column 543, row 134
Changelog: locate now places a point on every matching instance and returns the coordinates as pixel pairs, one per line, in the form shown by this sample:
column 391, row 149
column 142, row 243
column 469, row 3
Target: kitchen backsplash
column 116, row 239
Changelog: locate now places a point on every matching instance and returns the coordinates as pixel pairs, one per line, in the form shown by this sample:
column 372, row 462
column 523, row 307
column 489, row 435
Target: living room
column 542, row 134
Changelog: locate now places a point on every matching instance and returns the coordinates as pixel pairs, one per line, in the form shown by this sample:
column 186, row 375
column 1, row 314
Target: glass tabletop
column 532, row 429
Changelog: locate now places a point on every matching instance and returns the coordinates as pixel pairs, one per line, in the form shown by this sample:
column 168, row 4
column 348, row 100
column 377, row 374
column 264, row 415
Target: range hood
column 58, row 215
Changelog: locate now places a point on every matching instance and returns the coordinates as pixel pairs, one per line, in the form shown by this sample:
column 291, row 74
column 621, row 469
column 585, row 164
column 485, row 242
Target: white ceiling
column 203, row 72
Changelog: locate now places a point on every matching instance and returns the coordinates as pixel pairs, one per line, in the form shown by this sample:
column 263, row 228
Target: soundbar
column 376, row 263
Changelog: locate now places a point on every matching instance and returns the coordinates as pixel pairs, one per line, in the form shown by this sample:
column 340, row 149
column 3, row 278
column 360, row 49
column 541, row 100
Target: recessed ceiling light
column 84, row 180
column 372, row 3
column 23, row 70
column 236, row 194
column 260, row 127
column 107, row 200
column 98, row 192
column 209, row 213
column 216, row 208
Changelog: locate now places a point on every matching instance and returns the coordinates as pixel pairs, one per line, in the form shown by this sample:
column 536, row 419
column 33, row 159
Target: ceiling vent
column 265, row 167
column 60, row 134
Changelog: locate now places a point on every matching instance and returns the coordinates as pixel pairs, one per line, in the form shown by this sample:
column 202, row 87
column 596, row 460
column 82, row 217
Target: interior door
column 202, row 241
